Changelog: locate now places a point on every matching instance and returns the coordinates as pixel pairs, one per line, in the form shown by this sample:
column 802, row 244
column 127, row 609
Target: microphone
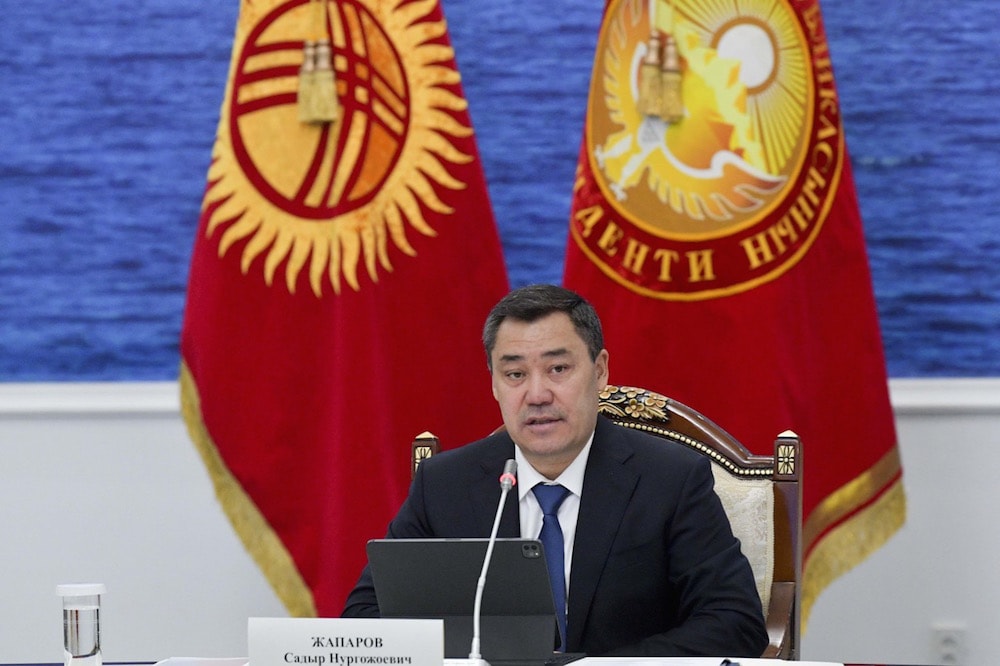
column 508, row 479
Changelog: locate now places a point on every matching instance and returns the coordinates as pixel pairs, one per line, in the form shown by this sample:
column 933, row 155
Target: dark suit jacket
column 656, row 570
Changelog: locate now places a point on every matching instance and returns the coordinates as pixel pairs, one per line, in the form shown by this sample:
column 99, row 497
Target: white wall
column 99, row 483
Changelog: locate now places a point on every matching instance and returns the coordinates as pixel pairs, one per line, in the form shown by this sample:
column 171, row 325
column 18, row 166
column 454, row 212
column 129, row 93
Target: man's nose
column 539, row 391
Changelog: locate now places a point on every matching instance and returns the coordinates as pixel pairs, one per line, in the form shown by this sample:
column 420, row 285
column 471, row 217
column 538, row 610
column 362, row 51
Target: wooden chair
column 761, row 495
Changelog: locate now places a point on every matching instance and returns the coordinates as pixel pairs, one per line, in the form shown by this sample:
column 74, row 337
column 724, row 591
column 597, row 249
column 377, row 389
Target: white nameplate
column 344, row 642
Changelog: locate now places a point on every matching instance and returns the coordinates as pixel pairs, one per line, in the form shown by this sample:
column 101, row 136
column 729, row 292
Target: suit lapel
column 607, row 488
column 484, row 492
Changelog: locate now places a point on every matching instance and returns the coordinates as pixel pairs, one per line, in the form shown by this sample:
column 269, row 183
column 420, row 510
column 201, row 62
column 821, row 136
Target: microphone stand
column 507, row 481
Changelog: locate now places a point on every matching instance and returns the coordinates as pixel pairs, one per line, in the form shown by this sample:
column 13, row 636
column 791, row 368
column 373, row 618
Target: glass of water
column 81, row 623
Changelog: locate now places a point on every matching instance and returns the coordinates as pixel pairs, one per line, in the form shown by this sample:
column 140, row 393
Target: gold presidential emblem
column 713, row 144
column 324, row 195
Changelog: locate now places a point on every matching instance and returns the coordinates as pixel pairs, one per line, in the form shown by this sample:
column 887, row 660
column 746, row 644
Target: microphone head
column 508, row 479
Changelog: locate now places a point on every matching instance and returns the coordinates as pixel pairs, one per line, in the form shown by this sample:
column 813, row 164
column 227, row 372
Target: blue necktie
column 549, row 498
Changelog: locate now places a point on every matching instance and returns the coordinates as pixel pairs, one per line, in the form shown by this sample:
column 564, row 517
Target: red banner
column 716, row 229
column 345, row 260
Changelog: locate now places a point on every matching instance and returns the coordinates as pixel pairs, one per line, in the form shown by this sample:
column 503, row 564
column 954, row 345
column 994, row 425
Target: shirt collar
column 572, row 477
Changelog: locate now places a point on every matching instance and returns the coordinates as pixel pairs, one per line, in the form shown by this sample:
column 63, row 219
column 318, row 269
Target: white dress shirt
column 531, row 513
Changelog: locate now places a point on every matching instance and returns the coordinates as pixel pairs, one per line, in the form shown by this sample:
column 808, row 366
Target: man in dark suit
column 653, row 567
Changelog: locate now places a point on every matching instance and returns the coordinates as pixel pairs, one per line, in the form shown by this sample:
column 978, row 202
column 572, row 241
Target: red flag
column 339, row 281
column 716, row 230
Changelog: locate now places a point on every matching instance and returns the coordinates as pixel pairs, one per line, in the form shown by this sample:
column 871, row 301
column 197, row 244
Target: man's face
column 547, row 388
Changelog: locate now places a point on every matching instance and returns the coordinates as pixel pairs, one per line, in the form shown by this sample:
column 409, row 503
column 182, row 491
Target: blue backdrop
column 109, row 107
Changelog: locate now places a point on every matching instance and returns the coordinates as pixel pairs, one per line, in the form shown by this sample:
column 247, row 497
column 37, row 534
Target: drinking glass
column 81, row 623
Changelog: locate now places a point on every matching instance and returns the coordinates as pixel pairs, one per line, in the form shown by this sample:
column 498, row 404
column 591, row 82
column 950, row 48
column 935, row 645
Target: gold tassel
column 326, row 107
column 307, row 82
column 671, row 104
column 649, row 79
column 317, row 96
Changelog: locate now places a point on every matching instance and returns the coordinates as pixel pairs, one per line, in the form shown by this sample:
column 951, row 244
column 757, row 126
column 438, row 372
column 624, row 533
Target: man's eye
column 560, row 368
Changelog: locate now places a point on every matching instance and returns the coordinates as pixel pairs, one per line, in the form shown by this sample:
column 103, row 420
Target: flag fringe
column 850, row 543
column 259, row 539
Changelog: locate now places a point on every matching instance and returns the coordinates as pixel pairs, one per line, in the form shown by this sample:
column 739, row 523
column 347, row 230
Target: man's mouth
column 540, row 420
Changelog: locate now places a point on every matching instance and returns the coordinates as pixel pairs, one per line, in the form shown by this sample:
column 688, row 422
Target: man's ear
column 602, row 368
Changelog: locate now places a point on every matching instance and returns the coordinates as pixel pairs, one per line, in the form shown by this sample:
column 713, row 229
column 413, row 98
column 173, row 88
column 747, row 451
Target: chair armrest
column 780, row 616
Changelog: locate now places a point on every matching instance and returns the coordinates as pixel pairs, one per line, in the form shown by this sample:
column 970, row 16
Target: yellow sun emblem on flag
column 326, row 198
column 714, row 146
column 745, row 110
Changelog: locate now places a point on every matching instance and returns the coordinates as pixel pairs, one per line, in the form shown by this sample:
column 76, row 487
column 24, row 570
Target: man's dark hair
column 536, row 301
